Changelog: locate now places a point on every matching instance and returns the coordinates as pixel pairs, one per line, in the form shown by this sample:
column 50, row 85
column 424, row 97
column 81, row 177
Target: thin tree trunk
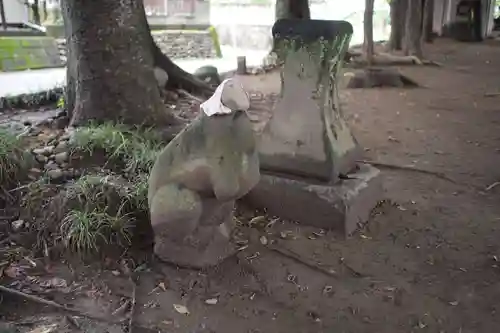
column 44, row 10
column 428, row 20
column 398, row 14
column 71, row 71
column 35, row 9
column 2, row 15
column 111, row 58
column 413, row 29
column 368, row 31
column 292, row 9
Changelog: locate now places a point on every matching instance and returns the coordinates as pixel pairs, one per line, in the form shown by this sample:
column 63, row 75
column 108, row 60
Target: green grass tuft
column 86, row 231
column 136, row 148
column 103, row 212
column 13, row 160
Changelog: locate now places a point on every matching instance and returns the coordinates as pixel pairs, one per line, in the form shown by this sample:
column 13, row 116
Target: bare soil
column 428, row 261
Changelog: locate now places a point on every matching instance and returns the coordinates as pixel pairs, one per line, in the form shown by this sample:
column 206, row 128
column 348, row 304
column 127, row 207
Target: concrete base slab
column 343, row 207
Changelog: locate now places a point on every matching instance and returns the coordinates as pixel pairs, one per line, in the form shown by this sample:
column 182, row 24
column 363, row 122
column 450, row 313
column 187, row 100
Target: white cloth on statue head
column 228, row 97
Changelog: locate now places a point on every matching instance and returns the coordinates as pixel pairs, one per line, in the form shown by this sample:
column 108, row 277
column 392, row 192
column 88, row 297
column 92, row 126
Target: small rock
column 211, row 301
column 59, row 123
column 43, row 151
column 34, row 131
column 51, row 165
column 41, row 158
column 38, row 151
column 61, row 114
column 62, row 146
column 61, row 157
column 69, row 173
column 35, row 171
column 17, row 225
column 49, row 150
column 55, row 173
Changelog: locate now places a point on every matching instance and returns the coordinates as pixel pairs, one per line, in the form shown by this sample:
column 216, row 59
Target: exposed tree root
column 440, row 175
column 177, row 77
column 298, row 259
column 358, row 59
column 378, row 77
column 55, row 305
column 132, row 305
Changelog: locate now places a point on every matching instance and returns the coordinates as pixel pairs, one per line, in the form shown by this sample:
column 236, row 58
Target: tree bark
column 368, row 32
column 110, row 65
column 71, row 72
column 428, row 20
column 292, row 9
column 413, row 29
column 2, row 15
column 35, row 9
column 398, row 14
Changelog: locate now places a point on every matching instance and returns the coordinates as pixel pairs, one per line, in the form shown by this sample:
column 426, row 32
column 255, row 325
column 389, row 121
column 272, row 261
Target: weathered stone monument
column 307, row 151
column 197, row 178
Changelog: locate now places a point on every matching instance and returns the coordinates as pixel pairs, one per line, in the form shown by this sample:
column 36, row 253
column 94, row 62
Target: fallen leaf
column 14, row 271
column 162, row 286
column 115, row 272
column 181, row 309
column 256, row 220
column 44, row 329
column 54, row 282
column 454, row 303
column 211, row 301
column 263, row 240
column 167, row 322
column 327, row 289
column 242, row 247
column 120, row 311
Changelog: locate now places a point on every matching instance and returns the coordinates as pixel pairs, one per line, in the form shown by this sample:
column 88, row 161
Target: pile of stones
column 177, row 44
column 53, row 160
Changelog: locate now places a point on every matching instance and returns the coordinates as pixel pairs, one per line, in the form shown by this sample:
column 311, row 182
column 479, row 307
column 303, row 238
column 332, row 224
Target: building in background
column 15, row 11
column 178, row 12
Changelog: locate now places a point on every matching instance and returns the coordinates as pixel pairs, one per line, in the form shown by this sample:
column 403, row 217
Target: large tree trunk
column 428, row 20
column 368, row 31
column 110, row 55
column 413, row 29
column 2, row 15
column 292, row 9
column 398, row 14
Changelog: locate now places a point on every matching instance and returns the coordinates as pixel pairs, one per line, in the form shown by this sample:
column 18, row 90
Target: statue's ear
column 234, row 96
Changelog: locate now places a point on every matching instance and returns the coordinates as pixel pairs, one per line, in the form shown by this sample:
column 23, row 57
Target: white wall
column 445, row 12
column 15, row 11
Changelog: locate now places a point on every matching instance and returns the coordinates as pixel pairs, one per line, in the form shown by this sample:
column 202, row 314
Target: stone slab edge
column 211, row 31
column 25, row 40
column 31, row 100
column 343, row 207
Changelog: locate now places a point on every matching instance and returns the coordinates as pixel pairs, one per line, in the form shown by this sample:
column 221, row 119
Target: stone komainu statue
column 197, row 178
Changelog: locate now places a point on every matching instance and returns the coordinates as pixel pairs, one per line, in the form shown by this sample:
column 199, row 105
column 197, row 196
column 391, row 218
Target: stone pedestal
column 343, row 206
column 307, row 141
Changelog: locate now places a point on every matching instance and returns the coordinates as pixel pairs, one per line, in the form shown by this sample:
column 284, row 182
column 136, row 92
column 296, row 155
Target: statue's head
column 229, row 97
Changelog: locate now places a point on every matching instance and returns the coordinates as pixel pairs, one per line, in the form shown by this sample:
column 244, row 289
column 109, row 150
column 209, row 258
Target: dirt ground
column 428, row 261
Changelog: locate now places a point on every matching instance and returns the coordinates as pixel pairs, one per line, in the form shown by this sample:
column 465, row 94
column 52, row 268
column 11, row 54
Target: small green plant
column 61, row 103
column 13, row 159
column 137, row 148
column 139, row 194
column 85, row 232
